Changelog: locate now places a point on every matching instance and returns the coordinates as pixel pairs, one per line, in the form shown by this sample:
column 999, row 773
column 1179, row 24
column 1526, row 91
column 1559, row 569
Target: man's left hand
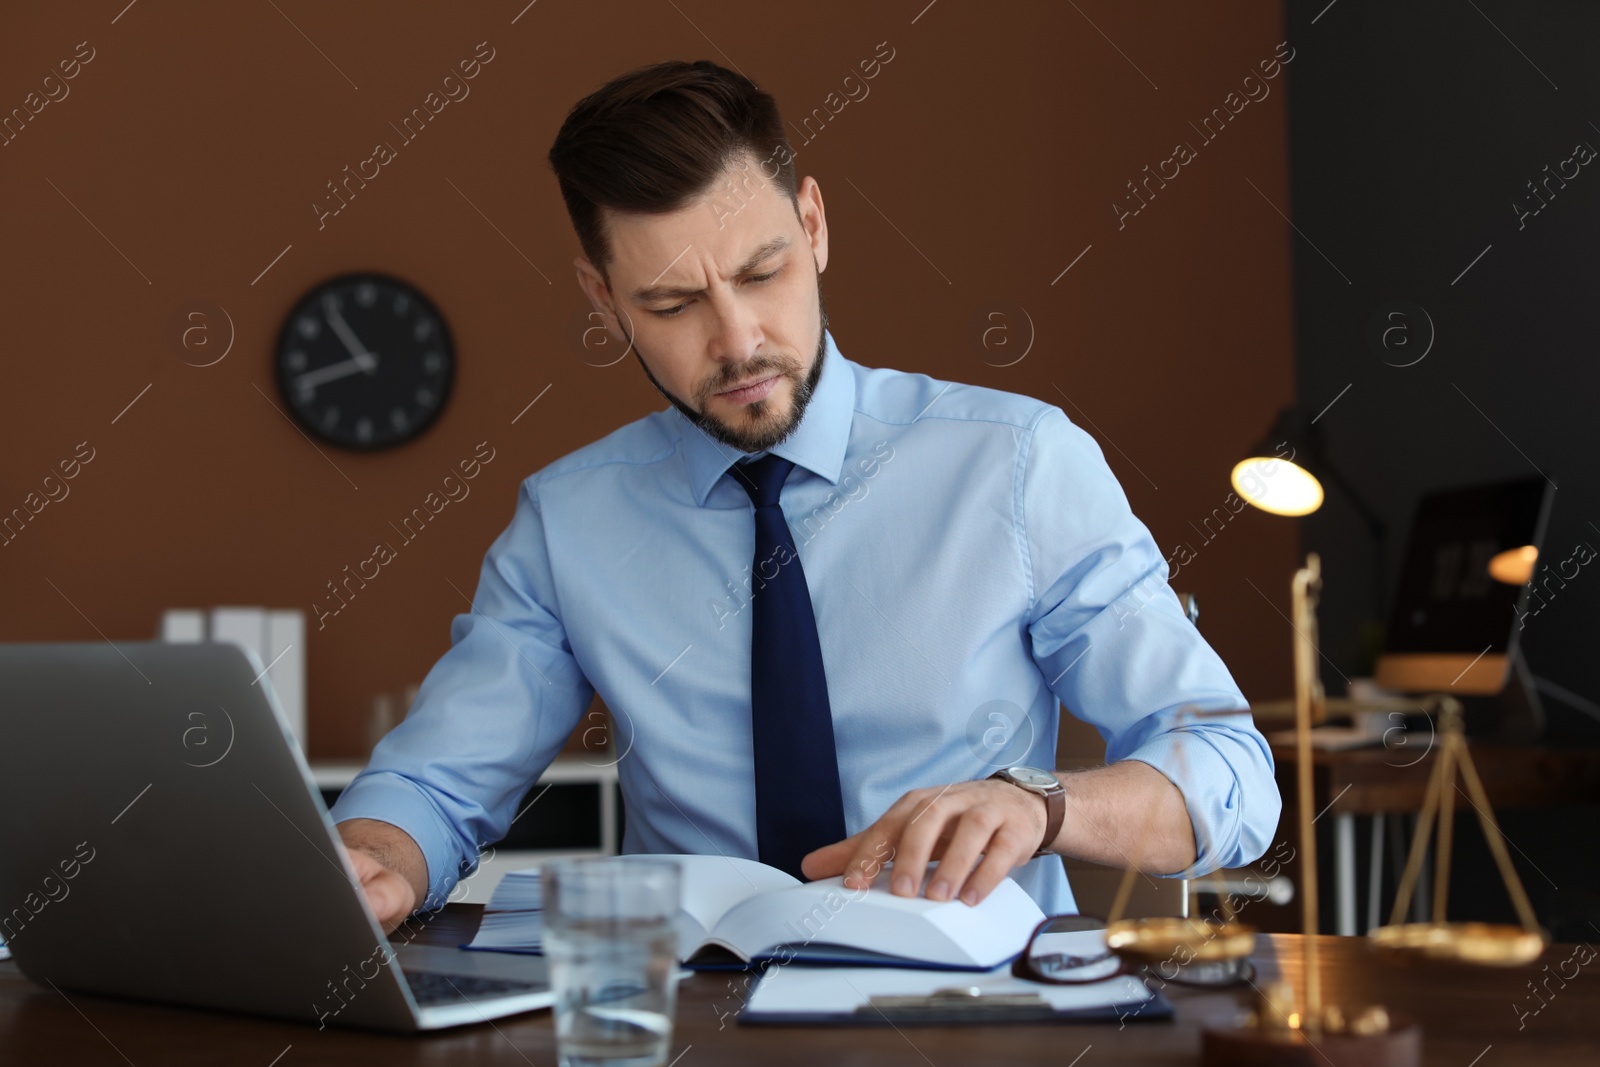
column 978, row 831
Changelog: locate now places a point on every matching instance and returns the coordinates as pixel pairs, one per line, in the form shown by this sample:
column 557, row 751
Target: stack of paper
column 518, row 891
column 513, row 920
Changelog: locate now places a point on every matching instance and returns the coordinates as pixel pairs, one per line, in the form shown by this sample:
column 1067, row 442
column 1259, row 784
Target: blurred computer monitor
column 1454, row 625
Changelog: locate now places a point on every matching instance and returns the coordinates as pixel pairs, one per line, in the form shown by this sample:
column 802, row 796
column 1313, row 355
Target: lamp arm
column 1374, row 522
column 1375, row 527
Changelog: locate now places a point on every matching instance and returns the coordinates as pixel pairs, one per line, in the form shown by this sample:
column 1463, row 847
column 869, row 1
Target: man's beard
column 769, row 427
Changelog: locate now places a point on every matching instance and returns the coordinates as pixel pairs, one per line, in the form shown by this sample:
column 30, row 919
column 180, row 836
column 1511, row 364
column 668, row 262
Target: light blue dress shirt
column 971, row 560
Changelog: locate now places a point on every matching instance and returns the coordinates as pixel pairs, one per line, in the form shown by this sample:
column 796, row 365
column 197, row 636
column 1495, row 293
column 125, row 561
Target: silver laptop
column 161, row 838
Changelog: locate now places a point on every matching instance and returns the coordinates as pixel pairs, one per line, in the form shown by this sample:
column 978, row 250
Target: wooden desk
column 1463, row 1012
column 1382, row 781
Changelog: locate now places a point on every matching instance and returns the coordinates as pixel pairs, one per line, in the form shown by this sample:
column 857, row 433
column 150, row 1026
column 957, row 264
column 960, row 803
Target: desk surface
column 1463, row 1012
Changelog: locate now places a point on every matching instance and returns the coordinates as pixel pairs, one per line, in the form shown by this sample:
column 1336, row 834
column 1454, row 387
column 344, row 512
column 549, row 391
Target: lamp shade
column 1514, row 566
column 1280, row 474
column 1287, row 471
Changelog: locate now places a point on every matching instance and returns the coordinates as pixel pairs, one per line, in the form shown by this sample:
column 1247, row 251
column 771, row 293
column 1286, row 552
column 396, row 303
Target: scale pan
column 1161, row 939
column 1491, row 944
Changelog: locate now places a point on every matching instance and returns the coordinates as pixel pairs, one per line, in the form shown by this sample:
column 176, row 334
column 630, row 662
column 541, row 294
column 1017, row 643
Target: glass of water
column 611, row 936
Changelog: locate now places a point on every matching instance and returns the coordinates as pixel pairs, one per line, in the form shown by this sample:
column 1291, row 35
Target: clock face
column 364, row 361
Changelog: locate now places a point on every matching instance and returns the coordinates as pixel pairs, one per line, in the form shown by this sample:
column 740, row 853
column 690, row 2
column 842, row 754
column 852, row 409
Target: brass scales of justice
column 1286, row 1029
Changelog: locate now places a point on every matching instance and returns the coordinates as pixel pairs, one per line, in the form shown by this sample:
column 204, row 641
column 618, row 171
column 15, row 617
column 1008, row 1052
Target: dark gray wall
column 1414, row 130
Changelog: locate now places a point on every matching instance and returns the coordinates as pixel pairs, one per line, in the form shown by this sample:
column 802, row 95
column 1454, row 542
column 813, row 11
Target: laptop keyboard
column 430, row 988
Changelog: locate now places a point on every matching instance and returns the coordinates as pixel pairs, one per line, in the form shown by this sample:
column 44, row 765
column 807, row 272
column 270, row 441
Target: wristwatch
column 1047, row 786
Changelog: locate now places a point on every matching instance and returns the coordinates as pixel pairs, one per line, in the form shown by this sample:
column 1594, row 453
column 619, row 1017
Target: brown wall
column 991, row 147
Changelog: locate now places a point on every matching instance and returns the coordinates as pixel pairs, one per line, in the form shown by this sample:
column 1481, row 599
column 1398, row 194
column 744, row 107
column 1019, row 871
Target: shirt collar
column 817, row 444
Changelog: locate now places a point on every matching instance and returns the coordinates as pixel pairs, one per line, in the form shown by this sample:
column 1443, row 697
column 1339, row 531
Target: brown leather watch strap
column 1055, row 801
column 1055, row 807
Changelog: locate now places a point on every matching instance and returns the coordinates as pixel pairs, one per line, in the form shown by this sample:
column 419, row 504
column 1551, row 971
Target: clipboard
column 791, row 996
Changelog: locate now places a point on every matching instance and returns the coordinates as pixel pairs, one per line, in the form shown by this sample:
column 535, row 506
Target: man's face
column 721, row 302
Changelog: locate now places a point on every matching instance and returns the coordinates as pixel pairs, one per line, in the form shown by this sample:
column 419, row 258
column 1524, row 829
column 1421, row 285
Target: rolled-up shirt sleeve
column 489, row 717
column 1113, row 643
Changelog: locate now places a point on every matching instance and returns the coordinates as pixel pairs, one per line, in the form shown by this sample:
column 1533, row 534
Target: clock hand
column 364, row 362
column 367, row 361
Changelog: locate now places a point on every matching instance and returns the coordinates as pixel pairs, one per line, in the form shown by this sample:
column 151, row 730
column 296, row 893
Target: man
column 825, row 603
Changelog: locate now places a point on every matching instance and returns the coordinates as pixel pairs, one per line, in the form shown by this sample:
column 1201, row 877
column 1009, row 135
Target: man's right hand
column 390, row 866
column 390, row 895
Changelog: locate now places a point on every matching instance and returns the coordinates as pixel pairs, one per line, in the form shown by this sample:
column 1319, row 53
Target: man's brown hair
column 654, row 139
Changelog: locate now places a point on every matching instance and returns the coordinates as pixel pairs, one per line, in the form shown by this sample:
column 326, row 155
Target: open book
column 738, row 911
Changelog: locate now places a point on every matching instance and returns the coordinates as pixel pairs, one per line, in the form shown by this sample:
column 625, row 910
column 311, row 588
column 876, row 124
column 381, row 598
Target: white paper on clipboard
column 836, row 992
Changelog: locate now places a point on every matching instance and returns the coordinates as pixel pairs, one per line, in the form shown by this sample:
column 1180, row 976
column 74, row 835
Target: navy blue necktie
column 799, row 806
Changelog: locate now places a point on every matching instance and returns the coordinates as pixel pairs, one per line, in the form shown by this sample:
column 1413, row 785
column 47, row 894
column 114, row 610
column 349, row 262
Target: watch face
column 364, row 361
column 1032, row 776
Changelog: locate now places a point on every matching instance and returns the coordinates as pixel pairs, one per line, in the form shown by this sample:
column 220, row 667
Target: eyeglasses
column 1072, row 950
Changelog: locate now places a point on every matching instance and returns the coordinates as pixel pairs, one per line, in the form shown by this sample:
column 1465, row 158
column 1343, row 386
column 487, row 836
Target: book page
column 823, row 913
column 714, row 884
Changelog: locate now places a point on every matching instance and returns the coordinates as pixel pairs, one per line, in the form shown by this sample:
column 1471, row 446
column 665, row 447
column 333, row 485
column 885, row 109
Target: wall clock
column 365, row 361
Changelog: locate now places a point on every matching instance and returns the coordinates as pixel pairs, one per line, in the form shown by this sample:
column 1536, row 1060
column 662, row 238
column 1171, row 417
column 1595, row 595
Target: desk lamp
column 1287, row 472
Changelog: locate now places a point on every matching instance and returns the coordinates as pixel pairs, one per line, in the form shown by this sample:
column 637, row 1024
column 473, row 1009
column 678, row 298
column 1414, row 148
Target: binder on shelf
column 242, row 626
column 183, row 625
column 276, row 636
column 286, row 653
